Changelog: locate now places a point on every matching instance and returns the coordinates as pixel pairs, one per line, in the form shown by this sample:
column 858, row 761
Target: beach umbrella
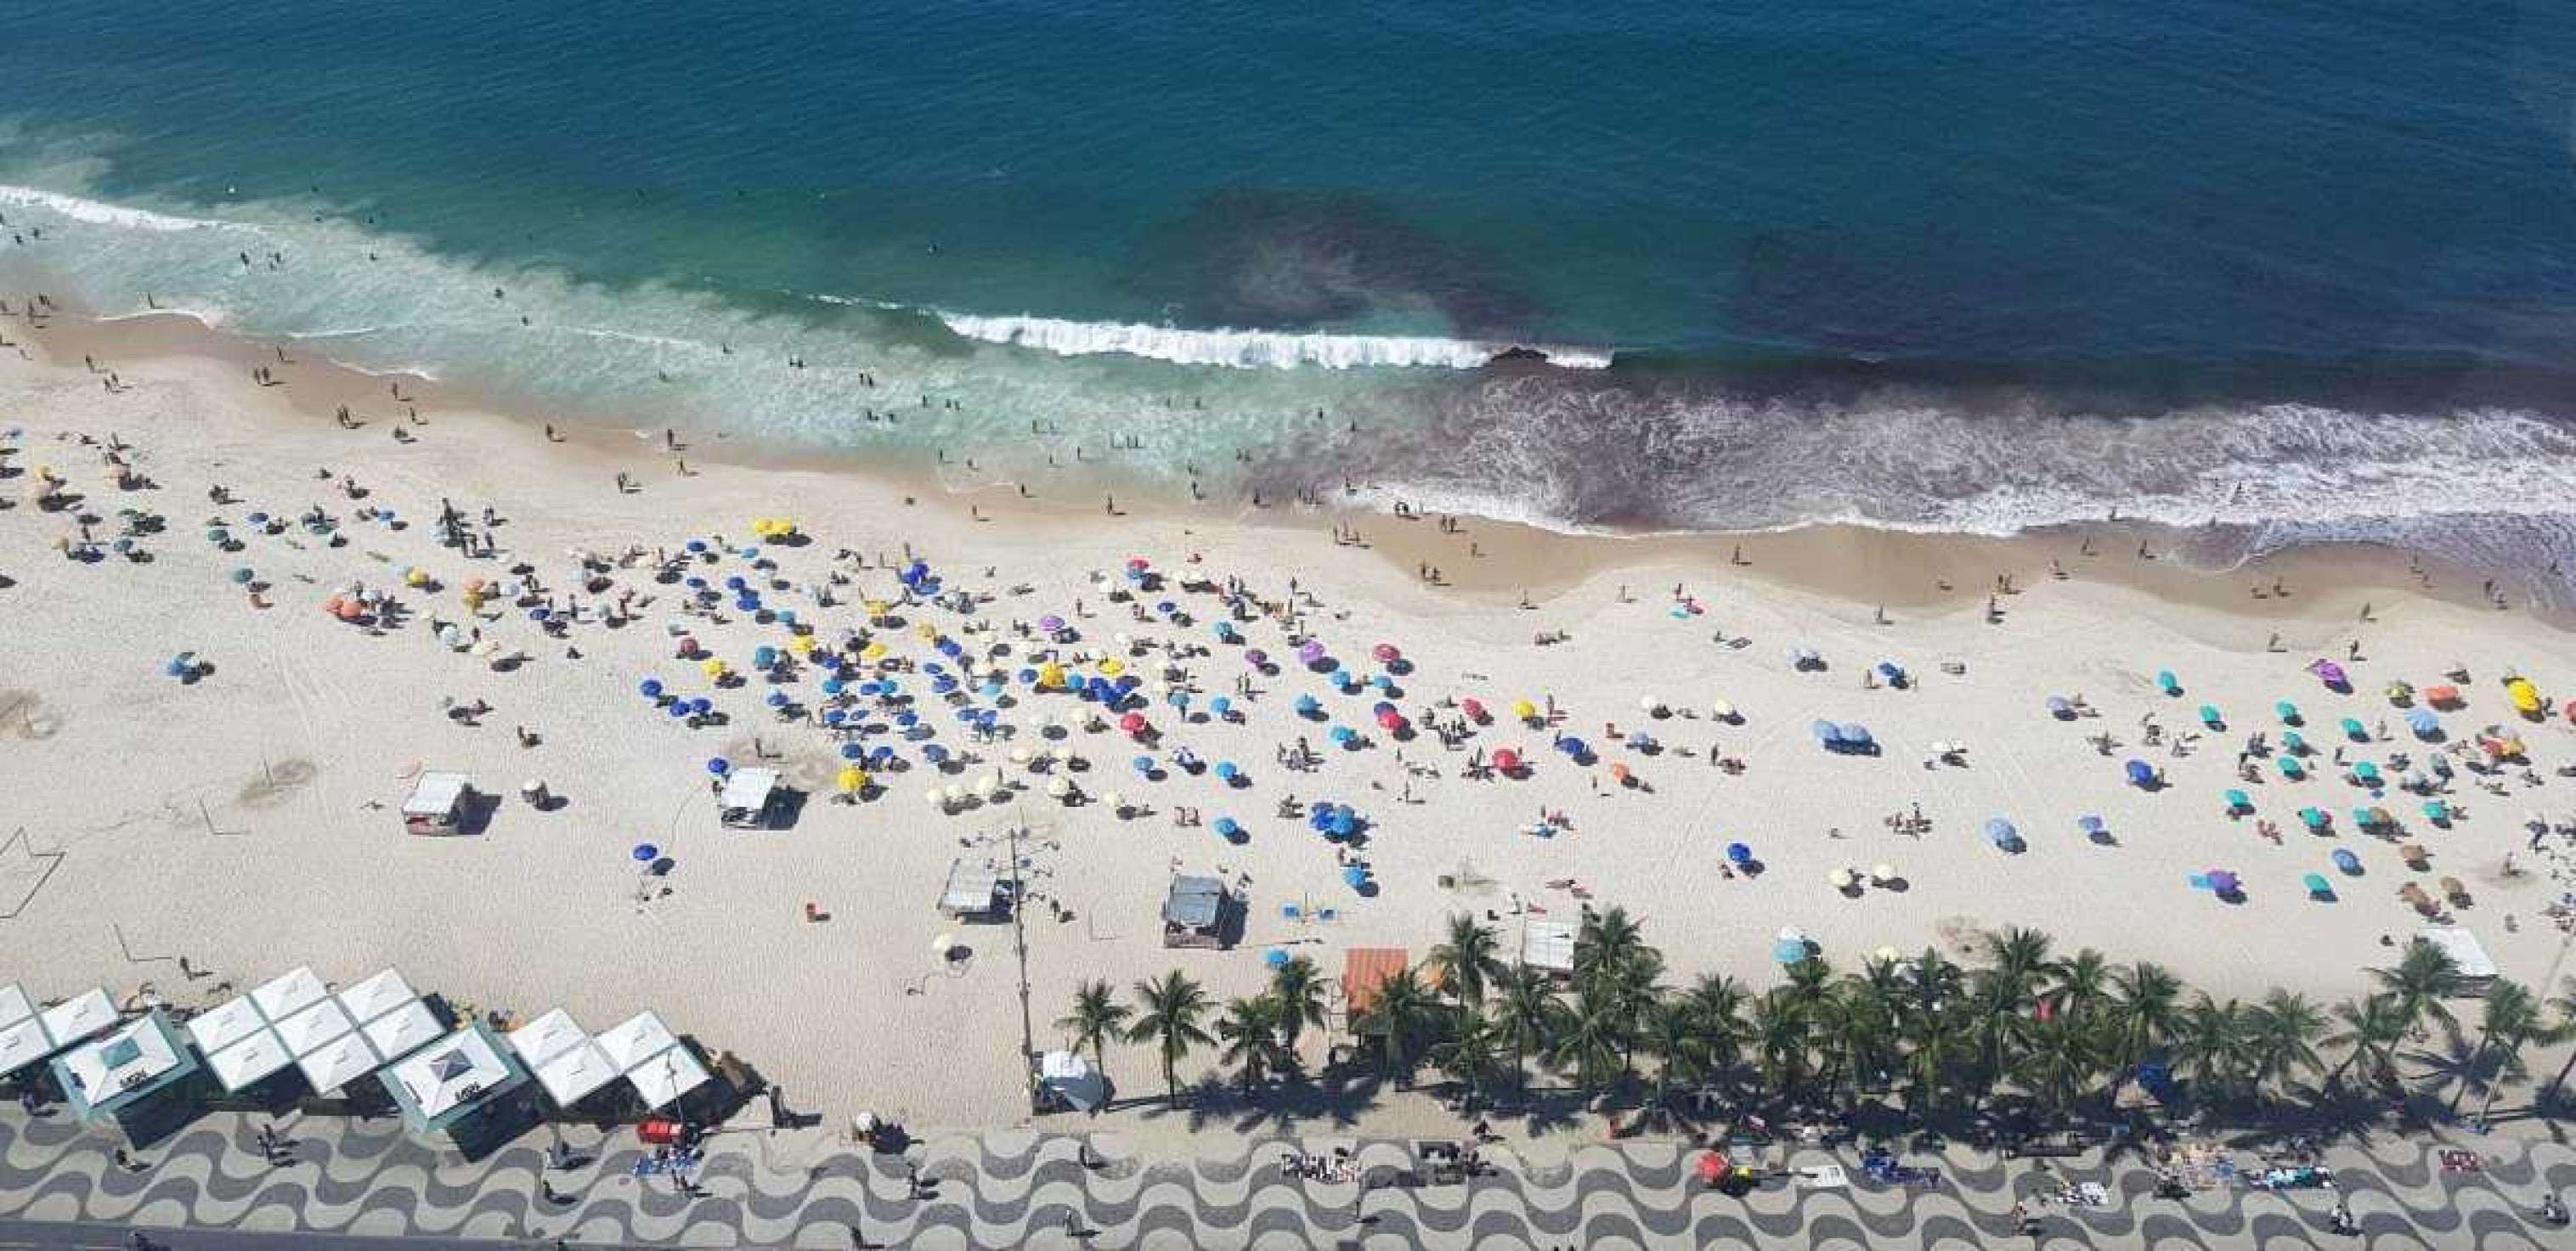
column 1574, row 747
column 1133, row 723
column 2141, row 774
column 2318, row 886
column 2423, row 723
column 1853, row 733
column 1116, row 802
column 2292, row 769
column 1826, row 732
column 2437, row 811
column 1310, row 652
column 2091, row 825
column 2239, row 801
column 851, row 779
column 1721, row 710
column 2353, row 729
column 2001, row 833
column 1739, row 853
column 1507, row 760
column 1275, row 957
column 1839, row 879
column 2209, row 716
column 2331, row 674
column 646, row 853
column 2223, row 882
column 1342, row 735
column 1226, row 771
column 1059, row 786
column 1144, row 764
column 1649, row 705
column 2286, row 711
column 1882, row 873
column 2166, row 682
column 701, row 706
column 1355, row 876
column 1257, row 658
column 1789, row 948
column 1474, row 708
column 2058, row 707
column 1227, row 827
column 2346, row 861
column 719, row 766
column 2367, row 772
column 2315, row 818
column 1524, row 710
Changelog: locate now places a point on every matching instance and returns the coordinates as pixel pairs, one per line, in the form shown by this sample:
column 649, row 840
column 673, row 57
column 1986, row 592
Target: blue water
column 1950, row 265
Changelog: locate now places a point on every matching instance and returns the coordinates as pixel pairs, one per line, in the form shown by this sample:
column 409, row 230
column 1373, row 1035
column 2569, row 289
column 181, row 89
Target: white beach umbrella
column 1117, row 802
column 1722, row 710
column 1019, row 755
column 1649, row 704
column 1841, row 878
column 1883, row 873
column 1058, row 787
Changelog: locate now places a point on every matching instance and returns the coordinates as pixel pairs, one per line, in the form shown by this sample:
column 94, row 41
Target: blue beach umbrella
column 1226, row 827
column 719, row 766
column 651, row 688
column 1739, row 853
column 646, row 853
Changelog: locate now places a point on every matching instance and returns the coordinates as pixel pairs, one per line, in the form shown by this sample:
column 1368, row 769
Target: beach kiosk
column 749, row 799
column 1194, row 913
column 973, row 893
column 437, row 803
column 1548, row 946
column 112, row 1074
column 443, row 1086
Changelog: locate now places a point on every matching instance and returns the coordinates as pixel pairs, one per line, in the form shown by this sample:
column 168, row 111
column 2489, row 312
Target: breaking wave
column 1255, row 349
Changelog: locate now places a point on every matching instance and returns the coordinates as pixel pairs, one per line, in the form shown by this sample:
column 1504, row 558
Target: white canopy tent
column 225, row 1024
column 548, row 1036
column 14, row 1005
column 253, row 1057
column 306, row 1031
column 667, row 1076
column 78, row 1017
column 636, row 1039
column 23, row 1044
column 402, row 1031
column 384, row 993
column 338, row 1062
column 574, row 1072
column 289, row 993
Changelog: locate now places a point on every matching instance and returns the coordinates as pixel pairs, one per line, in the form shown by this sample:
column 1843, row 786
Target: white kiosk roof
column 338, row 1062
column 78, row 1017
column 576, row 1071
column 402, row 1031
column 447, row 1075
column 289, row 993
column 2464, row 949
column 667, row 1076
column 14, row 1006
column 23, row 1044
column 127, row 1062
column 747, row 789
column 306, row 1031
column 636, row 1039
column 546, row 1037
column 225, row 1024
column 435, row 795
column 248, row 1060
column 376, row 996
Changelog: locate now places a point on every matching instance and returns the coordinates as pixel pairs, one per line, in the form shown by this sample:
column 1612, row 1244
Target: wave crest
column 1254, row 349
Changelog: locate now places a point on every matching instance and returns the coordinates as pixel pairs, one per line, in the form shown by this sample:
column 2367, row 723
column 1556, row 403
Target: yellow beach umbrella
column 1523, row 710
column 852, row 779
column 1112, row 667
column 712, row 667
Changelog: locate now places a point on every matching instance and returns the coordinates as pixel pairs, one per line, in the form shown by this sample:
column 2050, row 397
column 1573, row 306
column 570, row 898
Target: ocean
column 2285, row 272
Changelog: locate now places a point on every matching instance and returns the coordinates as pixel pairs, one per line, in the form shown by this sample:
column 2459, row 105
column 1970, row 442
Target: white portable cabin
column 437, row 803
column 747, row 798
column 1548, row 946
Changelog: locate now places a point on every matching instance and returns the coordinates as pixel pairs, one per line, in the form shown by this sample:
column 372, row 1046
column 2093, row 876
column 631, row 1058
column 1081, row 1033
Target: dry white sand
column 246, row 820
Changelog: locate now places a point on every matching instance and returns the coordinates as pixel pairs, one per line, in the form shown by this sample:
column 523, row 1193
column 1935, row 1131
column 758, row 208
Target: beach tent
column 436, row 804
column 748, row 799
column 1070, row 1078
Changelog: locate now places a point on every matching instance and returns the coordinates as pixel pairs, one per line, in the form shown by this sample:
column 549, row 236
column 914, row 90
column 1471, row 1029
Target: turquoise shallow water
column 2303, row 267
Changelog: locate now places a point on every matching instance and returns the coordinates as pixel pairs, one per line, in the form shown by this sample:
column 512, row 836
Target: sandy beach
column 245, row 819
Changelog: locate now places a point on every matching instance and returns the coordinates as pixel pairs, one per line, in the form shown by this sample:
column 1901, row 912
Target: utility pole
column 1020, row 941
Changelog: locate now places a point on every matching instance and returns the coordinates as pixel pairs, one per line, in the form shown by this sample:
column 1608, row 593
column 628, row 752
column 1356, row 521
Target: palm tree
column 1250, row 1028
column 2145, row 1010
column 1937, row 1044
column 1298, row 988
column 2082, row 986
column 2369, row 1028
column 2005, row 991
column 1670, row 1033
column 2564, row 1004
column 2280, row 1039
column 2508, row 1022
column 2424, row 977
column 2210, row 1047
column 1470, row 1049
column 1467, row 958
column 1397, row 1015
column 1524, row 1007
column 1607, row 945
column 1590, row 1037
column 1715, row 1004
column 1096, row 1018
column 1170, row 1020
column 1780, row 1030
column 2059, row 1061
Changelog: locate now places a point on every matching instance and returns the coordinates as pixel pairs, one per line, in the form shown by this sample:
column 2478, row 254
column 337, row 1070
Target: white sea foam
column 101, row 213
column 1252, row 349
